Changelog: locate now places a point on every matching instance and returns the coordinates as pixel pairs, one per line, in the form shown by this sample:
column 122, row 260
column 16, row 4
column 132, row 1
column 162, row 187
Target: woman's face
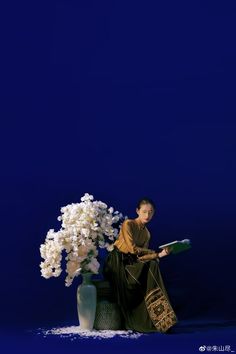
column 145, row 212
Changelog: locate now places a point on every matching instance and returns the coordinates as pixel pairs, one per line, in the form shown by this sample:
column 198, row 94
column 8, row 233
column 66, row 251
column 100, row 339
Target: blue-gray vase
column 86, row 302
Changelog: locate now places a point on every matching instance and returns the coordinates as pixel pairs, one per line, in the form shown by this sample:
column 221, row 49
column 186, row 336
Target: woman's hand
column 148, row 257
column 165, row 252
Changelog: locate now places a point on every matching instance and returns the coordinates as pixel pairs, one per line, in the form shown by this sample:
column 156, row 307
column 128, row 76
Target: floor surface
column 189, row 336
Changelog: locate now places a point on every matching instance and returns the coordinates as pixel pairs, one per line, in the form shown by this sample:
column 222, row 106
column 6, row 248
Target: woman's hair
column 145, row 201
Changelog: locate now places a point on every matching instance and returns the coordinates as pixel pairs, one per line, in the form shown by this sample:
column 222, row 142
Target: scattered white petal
column 77, row 333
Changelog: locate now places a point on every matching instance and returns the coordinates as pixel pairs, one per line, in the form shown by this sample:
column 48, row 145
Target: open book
column 178, row 246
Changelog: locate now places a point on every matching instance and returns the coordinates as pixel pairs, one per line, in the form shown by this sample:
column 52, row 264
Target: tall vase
column 86, row 302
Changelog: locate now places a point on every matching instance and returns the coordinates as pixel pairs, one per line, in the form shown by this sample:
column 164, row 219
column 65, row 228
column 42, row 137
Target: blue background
column 120, row 100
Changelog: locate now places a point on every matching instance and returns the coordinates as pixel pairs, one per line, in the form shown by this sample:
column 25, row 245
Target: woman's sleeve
column 129, row 240
column 128, row 237
column 145, row 246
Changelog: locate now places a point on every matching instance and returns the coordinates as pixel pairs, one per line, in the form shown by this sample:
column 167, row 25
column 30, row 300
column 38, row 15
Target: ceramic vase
column 86, row 302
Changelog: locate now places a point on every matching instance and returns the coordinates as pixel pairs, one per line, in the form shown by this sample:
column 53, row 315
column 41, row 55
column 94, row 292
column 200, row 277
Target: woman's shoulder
column 129, row 222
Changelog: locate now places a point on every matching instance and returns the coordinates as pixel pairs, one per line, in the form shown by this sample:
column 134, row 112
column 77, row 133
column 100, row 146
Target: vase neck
column 86, row 278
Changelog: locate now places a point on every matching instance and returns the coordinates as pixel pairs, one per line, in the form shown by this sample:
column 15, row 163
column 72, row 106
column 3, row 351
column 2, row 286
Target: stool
column 108, row 313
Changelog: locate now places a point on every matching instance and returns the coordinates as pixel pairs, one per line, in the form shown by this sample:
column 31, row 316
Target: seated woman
column 133, row 271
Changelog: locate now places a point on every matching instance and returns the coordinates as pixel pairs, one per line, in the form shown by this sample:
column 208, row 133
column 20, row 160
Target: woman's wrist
column 143, row 250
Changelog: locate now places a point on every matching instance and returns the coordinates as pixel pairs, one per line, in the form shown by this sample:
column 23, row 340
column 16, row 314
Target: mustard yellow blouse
column 133, row 237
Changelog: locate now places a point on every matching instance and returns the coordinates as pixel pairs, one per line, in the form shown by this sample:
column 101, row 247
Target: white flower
column 86, row 197
column 110, row 247
column 85, row 232
column 72, row 267
column 85, row 227
column 93, row 266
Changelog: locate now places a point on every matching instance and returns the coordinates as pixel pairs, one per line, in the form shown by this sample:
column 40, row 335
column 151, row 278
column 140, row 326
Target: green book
column 178, row 246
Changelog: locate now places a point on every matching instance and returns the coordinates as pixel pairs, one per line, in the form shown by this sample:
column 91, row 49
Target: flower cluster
column 86, row 226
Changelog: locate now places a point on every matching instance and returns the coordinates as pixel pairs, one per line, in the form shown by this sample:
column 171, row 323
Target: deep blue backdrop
column 120, row 100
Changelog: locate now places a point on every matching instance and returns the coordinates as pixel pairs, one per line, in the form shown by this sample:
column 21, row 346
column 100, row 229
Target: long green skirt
column 140, row 292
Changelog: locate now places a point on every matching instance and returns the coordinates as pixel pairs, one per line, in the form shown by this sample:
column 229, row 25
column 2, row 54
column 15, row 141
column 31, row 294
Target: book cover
column 178, row 246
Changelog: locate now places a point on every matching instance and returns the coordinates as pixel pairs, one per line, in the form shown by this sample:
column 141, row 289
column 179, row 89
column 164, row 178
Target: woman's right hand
column 148, row 257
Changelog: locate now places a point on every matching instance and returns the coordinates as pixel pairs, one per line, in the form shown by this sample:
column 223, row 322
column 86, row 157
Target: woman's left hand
column 165, row 252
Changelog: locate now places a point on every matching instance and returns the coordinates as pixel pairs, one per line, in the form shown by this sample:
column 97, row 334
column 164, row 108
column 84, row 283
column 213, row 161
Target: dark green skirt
column 140, row 292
